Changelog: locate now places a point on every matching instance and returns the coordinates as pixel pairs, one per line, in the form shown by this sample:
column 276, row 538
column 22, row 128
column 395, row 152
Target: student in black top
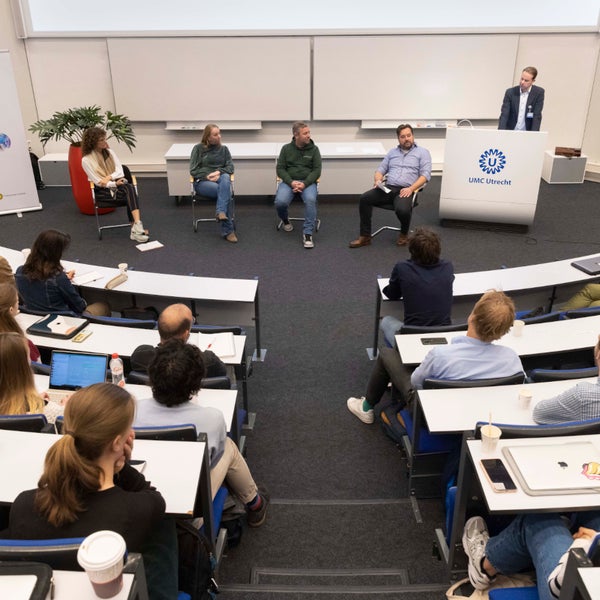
column 88, row 484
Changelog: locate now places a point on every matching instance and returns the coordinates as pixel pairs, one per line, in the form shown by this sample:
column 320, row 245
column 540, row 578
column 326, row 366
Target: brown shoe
column 362, row 240
column 402, row 240
column 221, row 216
column 231, row 237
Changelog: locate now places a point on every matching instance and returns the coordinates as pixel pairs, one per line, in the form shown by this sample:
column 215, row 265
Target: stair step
column 329, row 577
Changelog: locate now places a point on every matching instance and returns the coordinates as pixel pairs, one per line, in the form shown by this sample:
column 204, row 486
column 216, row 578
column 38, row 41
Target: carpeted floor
column 338, row 486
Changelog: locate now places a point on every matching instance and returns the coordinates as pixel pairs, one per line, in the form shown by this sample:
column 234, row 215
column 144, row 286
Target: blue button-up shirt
column 467, row 358
column 404, row 168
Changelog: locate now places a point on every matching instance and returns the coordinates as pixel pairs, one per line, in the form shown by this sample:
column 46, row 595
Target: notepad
column 149, row 246
column 222, row 344
column 87, row 277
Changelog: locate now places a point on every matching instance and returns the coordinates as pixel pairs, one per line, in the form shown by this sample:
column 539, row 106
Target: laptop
column 556, row 468
column 591, row 266
column 71, row 371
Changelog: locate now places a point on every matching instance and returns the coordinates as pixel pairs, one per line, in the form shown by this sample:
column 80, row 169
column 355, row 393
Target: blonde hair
column 493, row 316
column 206, row 133
column 94, row 417
column 8, row 297
column 17, row 388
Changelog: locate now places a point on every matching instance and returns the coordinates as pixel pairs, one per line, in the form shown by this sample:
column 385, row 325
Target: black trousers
column 378, row 198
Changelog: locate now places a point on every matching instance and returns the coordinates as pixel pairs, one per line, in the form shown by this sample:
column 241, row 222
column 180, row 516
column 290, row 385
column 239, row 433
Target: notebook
column 556, row 468
column 222, row 344
column 58, row 326
column 70, row 371
column 591, row 266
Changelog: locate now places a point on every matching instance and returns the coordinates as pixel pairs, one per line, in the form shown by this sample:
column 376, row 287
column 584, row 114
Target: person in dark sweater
column 299, row 168
column 88, row 484
column 211, row 167
column 423, row 282
column 175, row 322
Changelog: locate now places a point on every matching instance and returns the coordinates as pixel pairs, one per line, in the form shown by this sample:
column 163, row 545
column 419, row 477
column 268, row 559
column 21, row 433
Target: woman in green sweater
column 211, row 167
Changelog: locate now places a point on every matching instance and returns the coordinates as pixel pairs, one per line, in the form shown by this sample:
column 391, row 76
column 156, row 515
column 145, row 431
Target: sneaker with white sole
column 355, row 406
column 287, row 226
column 138, row 234
column 308, row 241
column 474, row 540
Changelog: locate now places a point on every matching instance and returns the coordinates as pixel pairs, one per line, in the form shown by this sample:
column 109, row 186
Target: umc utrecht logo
column 492, row 161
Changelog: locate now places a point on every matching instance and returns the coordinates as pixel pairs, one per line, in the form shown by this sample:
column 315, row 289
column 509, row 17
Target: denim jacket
column 54, row 294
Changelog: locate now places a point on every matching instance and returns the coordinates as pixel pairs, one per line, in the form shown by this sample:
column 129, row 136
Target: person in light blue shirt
column 469, row 357
column 407, row 167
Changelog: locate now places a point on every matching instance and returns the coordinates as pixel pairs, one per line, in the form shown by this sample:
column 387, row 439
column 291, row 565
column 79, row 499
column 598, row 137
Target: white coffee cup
column 525, row 396
column 122, row 267
column 490, row 434
column 102, row 556
column 26, row 252
column 517, row 328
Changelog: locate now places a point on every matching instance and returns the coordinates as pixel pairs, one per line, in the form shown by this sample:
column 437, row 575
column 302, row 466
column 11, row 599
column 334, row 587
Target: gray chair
column 434, row 328
column 539, row 375
column 199, row 198
column 36, row 423
column 104, row 202
column 432, row 384
column 390, row 206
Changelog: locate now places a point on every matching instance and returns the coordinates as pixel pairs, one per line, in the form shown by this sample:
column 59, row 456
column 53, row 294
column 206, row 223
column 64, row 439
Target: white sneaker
column 137, row 232
column 287, row 226
column 474, row 540
column 355, row 406
column 308, row 241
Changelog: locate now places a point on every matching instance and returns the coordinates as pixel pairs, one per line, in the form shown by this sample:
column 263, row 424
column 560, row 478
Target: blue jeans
column 221, row 190
column 284, row 197
column 390, row 326
column 537, row 538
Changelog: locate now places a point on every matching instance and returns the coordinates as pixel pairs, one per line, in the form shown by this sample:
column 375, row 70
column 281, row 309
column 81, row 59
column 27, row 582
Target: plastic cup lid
column 101, row 550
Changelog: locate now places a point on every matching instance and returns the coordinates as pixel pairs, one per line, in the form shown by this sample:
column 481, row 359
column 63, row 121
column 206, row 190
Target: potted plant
column 69, row 125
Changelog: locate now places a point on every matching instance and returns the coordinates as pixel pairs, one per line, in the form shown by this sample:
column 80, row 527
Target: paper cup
column 122, row 267
column 102, row 556
column 525, row 396
column 490, row 434
column 517, row 328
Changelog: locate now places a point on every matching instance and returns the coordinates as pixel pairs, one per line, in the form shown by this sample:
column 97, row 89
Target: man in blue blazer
column 522, row 105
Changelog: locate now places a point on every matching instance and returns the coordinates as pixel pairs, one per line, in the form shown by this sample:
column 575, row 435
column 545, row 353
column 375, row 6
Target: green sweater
column 299, row 164
column 206, row 159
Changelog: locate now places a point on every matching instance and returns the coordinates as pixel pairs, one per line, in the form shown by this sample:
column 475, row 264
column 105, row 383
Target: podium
column 492, row 175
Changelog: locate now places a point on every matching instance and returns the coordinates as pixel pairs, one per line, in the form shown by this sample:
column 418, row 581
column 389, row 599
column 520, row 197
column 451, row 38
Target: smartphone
column 497, row 475
column 433, row 340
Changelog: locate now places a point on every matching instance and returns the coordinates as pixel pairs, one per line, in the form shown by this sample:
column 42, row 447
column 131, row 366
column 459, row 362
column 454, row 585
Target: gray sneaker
column 287, row 226
column 474, row 540
column 355, row 406
column 308, row 241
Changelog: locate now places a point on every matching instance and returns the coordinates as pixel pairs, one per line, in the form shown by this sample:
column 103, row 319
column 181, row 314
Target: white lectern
column 492, row 175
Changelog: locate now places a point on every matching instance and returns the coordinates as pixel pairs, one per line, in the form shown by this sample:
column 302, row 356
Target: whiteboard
column 194, row 79
column 412, row 77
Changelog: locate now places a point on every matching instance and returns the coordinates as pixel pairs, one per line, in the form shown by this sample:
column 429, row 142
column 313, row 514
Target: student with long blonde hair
column 18, row 394
column 9, row 309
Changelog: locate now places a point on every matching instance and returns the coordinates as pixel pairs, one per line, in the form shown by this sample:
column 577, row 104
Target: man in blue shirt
column 473, row 356
column 406, row 168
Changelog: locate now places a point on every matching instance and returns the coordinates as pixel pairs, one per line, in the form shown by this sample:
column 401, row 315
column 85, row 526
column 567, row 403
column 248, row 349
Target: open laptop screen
column 74, row 370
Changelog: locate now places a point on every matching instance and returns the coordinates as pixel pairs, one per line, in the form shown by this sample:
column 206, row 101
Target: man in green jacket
column 299, row 168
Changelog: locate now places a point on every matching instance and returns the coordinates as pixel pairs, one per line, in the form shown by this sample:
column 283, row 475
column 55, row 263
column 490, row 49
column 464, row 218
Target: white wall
column 57, row 73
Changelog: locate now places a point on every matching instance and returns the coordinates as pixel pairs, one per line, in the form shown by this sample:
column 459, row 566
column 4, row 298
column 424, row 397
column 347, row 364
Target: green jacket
column 206, row 159
column 299, row 164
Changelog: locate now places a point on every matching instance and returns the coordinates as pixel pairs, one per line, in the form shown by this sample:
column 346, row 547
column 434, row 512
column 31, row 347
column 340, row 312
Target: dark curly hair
column 176, row 372
column 90, row 138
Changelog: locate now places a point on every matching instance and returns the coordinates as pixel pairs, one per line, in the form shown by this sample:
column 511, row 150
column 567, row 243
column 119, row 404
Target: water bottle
column 116, row 370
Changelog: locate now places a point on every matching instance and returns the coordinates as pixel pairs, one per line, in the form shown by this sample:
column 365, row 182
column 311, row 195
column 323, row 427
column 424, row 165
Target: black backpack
column 196, row 562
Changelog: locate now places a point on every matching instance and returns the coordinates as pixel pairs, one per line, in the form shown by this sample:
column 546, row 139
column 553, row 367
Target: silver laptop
column 71, row 371
column 591, row 266
column 556, row 468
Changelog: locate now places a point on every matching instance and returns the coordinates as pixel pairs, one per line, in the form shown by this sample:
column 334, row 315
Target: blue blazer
column 510, row 108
